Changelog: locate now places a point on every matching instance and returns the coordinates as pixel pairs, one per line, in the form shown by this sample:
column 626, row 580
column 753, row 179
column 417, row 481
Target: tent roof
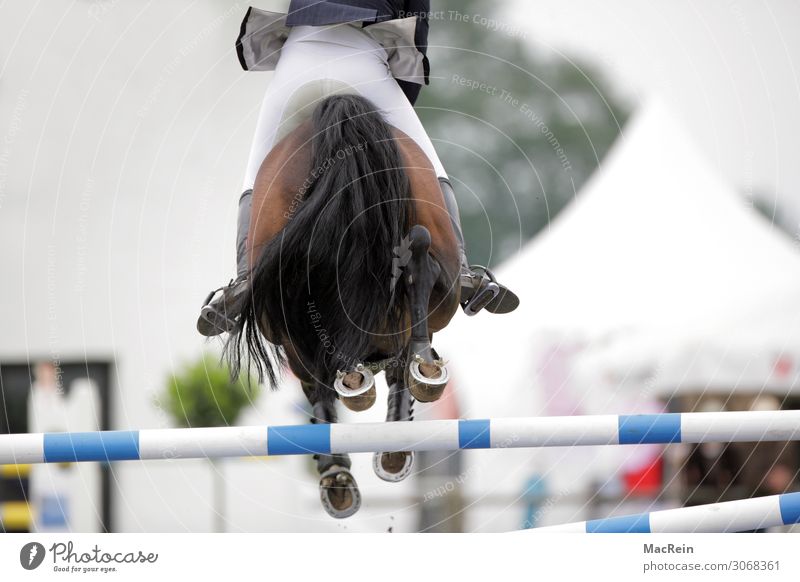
column 654, row 238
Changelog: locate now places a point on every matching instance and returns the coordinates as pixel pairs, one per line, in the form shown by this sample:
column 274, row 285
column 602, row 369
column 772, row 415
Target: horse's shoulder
column 411, row 152
column 420, row 171
column 295, row 142
column 288, row 161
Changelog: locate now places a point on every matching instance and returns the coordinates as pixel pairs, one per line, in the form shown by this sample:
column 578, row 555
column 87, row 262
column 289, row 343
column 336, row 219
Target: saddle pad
column 300, row 104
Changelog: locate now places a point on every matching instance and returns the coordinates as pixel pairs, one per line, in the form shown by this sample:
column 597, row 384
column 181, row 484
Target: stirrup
column 222, row 315
column 505, row 301
column 486, row 291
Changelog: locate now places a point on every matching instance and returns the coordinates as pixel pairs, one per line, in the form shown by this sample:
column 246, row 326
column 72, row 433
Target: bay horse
column 354, row 265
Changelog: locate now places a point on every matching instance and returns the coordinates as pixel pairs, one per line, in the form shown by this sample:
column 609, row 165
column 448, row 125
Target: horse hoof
column 426, row 381
column 393, row 467
column 362, row 401
column 356, row 388
column 339, row 492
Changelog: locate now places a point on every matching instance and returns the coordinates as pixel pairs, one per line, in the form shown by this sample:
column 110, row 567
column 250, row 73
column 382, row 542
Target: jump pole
column 431, row 435
column 730, row 516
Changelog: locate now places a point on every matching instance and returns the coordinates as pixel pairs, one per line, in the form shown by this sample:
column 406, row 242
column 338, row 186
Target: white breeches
column 317, row 61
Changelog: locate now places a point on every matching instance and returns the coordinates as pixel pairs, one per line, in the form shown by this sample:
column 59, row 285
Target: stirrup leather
column 211, row 294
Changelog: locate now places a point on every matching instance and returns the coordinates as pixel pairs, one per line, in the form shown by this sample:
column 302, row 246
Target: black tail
column 323, row 284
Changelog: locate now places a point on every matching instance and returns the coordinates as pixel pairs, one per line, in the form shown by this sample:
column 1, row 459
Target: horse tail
column 324, row 285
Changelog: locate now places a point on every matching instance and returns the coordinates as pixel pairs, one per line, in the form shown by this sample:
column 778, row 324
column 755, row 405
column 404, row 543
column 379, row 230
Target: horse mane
column 322, row 284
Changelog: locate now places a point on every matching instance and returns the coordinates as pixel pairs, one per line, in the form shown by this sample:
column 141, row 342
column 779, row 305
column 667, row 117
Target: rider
column 372, row 47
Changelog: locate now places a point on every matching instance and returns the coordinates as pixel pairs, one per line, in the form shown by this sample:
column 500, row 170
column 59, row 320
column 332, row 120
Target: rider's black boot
column 479, row 288
column 220, row 312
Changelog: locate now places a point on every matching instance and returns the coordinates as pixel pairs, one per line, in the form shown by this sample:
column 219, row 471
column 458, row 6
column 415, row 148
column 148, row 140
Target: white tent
column 654, row 243
column 753, row 351
column 741, row 334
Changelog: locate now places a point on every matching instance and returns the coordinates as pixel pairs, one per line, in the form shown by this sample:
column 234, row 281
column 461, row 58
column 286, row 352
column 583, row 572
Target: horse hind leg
column 396, row 466
column 426, row 375
column 338, row 489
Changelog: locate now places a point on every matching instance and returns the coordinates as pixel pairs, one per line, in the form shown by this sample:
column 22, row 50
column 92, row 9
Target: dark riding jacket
column 368, row 12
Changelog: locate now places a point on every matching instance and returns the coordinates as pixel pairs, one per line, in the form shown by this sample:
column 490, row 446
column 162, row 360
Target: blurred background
column 629, row 168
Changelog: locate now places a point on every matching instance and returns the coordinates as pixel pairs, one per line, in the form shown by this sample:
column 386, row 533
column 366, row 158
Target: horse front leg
column 356, row 387
column 396, row 466
column 338, row 489
column 426, row 375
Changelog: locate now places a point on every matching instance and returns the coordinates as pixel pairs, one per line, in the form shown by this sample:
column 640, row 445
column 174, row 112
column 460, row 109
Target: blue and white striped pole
column 432, row 435
column 731, row 516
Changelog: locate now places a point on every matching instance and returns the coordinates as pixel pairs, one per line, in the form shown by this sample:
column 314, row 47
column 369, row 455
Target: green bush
column 202, row 393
